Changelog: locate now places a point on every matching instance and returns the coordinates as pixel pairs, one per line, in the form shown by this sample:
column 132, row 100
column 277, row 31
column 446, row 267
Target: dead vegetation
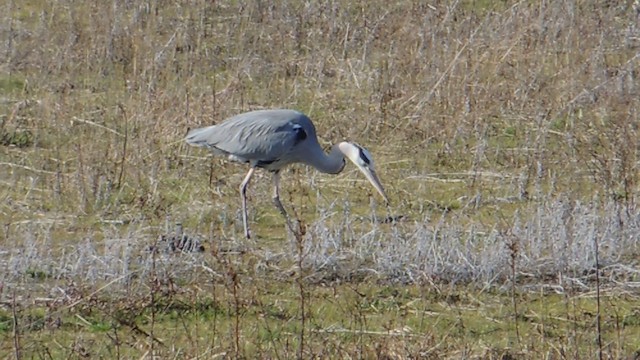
column 505, row 133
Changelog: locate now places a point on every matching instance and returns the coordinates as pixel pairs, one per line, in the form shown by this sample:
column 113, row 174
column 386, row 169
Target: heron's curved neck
column 332, row 163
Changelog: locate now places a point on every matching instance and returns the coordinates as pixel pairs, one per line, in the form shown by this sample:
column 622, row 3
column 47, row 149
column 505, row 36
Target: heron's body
column 273, row 139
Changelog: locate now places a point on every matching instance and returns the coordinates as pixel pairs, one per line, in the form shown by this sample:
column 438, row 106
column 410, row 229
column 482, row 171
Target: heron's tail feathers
column 199, row 137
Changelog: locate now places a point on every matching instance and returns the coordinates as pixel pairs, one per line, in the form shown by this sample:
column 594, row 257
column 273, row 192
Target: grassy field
column 505, row 133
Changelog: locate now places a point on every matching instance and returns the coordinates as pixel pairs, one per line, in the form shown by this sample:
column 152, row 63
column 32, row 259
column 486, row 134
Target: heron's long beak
column 370, row 174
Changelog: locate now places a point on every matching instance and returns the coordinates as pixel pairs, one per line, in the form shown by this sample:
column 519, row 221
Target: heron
column 273, row 139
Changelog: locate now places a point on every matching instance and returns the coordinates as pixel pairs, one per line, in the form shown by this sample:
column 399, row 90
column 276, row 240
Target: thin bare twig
column 124, row 145
column 16, row 331
column 598, row 313
column 33, row 169
column 89, row 122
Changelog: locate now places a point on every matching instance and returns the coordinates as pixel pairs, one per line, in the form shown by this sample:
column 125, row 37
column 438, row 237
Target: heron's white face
column 363, row 160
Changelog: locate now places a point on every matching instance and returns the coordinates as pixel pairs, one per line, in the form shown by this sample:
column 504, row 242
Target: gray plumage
column 273, row 139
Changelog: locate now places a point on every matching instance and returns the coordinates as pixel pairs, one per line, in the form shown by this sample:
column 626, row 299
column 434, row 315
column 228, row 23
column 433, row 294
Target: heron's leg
column 276, row 199
column 276, row 193
column 243, row 193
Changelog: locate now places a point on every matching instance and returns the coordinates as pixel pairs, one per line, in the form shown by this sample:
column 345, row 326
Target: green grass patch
column 11, row 84
column 353, row 318
column 488, row 122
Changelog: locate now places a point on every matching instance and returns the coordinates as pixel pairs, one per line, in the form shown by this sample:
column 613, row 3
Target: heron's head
column 362, row 159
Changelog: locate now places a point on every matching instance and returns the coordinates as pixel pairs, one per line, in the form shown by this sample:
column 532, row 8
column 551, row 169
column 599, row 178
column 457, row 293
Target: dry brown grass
column 492, row 124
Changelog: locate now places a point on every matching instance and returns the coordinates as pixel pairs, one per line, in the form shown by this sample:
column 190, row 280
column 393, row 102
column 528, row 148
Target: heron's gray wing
column 262, row 137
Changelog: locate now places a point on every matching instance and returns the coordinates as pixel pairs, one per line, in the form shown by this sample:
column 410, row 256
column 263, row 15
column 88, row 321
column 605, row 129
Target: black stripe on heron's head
column 363, row 156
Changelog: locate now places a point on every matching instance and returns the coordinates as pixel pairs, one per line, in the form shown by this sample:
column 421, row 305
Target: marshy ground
column 505, row 133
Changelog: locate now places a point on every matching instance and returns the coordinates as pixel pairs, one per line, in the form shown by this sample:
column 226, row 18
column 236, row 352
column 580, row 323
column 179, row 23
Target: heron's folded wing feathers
column 267, row 137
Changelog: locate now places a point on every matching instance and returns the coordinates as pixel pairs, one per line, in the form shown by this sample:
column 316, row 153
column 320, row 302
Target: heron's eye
column 300, row 133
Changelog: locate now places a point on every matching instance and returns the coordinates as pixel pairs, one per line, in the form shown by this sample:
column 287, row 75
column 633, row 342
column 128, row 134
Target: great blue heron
column 273, row 139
